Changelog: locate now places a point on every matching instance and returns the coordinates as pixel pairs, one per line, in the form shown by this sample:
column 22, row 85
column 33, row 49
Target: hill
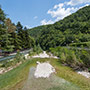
column 74, row 28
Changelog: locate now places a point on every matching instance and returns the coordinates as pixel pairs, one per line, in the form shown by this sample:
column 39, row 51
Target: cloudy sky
column 32, row 13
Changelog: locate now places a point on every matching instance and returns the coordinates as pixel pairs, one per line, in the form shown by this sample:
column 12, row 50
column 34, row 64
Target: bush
column 72, row 57
column 18, row 57
column 36, row 50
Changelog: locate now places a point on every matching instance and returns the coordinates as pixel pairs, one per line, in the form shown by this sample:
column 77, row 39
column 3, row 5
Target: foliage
column 13, row 37
column 36, row 50
column 72, row 29
column 15, row 76
column 73, row 57
column 19, row 57
column 16, row 79
column 85, row 44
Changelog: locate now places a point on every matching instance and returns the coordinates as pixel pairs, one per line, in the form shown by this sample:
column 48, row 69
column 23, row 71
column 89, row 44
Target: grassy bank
column 73, row 57
column 71, row 76
column 68, row 74
column 17, row 75
column 16, row 78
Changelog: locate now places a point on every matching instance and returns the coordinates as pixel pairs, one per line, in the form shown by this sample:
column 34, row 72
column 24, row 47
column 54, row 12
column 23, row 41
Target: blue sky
column 33, row 13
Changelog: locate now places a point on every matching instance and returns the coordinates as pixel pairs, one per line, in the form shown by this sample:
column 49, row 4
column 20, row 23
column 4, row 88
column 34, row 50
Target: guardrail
column 12, row 56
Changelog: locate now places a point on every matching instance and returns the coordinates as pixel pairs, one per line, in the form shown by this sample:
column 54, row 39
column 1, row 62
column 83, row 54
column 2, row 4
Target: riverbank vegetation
column 15, row 76
column 73, row 57
column 19, row 58
column 9, row 64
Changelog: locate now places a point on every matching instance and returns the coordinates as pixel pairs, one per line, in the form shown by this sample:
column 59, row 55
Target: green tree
column 2, row 27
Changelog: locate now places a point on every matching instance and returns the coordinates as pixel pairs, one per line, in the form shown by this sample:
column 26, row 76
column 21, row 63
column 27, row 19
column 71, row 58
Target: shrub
column 73, row 57
column 36, row 50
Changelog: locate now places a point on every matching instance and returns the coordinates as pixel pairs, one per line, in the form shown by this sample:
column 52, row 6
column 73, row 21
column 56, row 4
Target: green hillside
column 74, row 28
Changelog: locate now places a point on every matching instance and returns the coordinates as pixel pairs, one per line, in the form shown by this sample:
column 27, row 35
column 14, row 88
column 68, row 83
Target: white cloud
column 59, row 5
column 59, row 11
column 35, row 17
column 64, row 9
column 77, row 2
column 45, row 22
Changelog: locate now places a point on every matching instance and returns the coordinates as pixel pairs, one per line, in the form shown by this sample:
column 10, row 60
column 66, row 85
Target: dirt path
column 51, row 83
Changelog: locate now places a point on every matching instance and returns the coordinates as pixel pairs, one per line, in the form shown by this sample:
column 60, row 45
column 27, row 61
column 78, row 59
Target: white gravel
column 41, row 55
column 85, row 74
column 44, row 55
column 44, row 70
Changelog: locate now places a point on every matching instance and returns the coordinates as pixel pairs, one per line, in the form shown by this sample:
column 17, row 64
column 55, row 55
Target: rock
column 84, row 73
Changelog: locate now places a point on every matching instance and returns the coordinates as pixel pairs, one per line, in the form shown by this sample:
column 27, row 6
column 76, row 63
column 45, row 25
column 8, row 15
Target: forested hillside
column 71, row 30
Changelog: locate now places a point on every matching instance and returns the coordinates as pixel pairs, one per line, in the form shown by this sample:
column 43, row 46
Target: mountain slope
column 76, row 22
column 74, row 28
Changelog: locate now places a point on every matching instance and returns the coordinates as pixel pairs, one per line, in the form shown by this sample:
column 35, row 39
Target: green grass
column 71, row 76
column 18, row 75
column 68, row 74
column 11, row 78
column 55, row 88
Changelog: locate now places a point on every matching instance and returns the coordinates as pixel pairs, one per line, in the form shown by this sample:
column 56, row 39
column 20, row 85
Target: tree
column 7, row 46
column 26, row 41
column 16, row 41
column 19, row 27
column 5, row 39
column 29, row 40
column 10, row 26
column 20, row 35
column 2, row 30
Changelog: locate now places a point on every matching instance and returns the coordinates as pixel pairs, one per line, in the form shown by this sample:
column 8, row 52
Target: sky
column 32, row 13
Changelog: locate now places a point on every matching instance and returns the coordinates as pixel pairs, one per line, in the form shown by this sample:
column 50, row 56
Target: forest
column 13, row 37
column 73, row 30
